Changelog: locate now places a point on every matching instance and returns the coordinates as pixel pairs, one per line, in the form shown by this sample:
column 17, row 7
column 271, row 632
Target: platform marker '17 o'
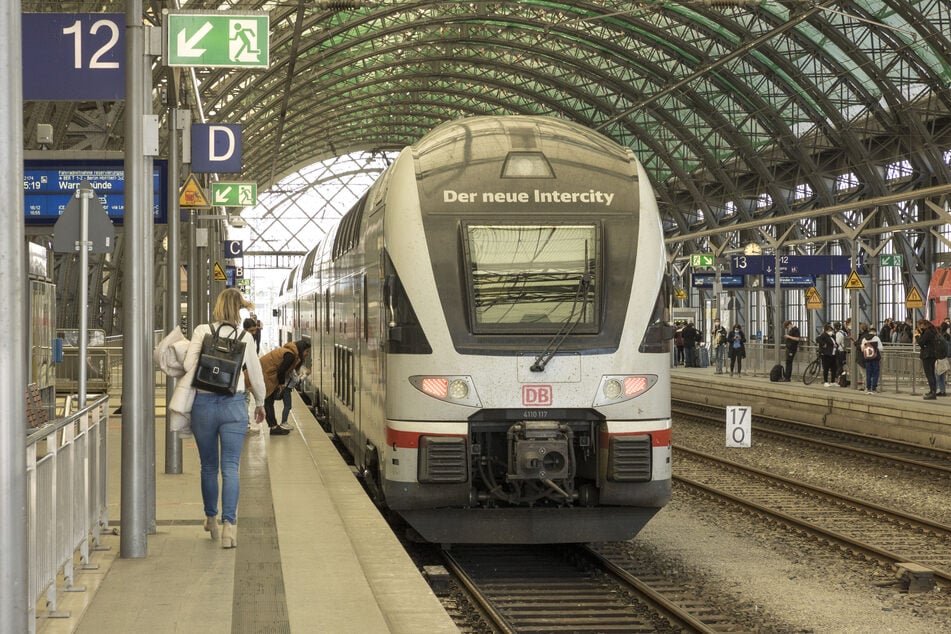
column 739, row 420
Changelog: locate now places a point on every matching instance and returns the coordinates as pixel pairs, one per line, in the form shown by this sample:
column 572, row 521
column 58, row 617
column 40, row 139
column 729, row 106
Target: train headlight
column 452, row 389
column 617, row 389
column 526, row 165
column 458, row 390
column 611, row 389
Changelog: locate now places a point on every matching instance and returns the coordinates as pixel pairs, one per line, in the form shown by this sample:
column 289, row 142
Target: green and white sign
column 701, row 259
column 220, row 39
column 234, row 194
column 891, row 260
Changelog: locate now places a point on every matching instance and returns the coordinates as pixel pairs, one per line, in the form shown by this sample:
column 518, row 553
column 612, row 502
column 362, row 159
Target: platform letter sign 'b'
column 216, row 147
column 738, row 426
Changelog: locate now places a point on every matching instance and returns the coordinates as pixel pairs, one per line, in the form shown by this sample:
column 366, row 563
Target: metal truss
column 742, row 111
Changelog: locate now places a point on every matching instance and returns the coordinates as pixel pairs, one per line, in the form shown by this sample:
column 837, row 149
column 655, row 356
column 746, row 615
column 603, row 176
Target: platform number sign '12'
column 738, row 426
column 73, row 56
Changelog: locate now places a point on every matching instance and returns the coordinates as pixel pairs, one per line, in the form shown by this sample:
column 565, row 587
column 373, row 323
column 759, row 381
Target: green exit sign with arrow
column 219, row 39
column 701, row 259
column 891, row 260
column 234, row 194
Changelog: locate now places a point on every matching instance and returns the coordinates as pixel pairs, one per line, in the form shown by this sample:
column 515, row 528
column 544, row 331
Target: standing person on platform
column 251, row 325
column 872, row 353
column 841, row 348
column 927, row 336
column 219, row 421
column 792, row 339
column 737, row 346
column 690, row 335
column 827, row 350
column 257, row 333
column 943, row 366
column 277, row 365
column 718, row 338
column 679, row 343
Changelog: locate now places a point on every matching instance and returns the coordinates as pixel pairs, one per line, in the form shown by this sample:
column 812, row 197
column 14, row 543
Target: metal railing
column 901, row 369
column 67, row 477
column 103, row 367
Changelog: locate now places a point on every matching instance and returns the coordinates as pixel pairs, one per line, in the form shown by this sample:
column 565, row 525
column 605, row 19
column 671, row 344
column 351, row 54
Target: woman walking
column 219, row 421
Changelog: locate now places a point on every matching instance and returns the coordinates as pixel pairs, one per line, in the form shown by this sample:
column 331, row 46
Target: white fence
column 66, row 466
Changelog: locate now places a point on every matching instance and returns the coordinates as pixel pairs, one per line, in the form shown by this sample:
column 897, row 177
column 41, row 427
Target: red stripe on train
column 659, row 437
column 410, row 439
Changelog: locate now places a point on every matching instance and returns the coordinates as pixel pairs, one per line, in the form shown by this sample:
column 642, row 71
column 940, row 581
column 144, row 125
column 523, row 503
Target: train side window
column 366, row 311
column 327, row 311
column 404, row 334
column 659, row 330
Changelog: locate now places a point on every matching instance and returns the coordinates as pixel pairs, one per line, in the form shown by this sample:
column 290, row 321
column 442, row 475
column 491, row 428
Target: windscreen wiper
column 570, row 324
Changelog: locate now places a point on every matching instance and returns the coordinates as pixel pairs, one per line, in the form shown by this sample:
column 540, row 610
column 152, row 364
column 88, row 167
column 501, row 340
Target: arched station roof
column 739, row 109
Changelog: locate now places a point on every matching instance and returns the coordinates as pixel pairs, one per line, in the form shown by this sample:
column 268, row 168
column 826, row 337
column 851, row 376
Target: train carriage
column 490, row 335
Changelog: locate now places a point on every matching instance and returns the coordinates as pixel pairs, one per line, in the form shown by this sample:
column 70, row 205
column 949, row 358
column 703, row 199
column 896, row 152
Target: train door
column 346, row 306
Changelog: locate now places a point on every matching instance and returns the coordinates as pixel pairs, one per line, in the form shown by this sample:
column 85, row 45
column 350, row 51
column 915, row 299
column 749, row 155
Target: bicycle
column 811, row 373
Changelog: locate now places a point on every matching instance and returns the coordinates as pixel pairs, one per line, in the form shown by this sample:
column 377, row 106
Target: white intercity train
column 490, row 335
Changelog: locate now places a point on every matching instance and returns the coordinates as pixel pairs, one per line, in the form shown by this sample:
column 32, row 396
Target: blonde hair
column 228, row 306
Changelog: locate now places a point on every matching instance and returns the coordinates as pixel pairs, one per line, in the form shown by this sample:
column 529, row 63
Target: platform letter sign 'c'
column 216, row 147
column 738, row 426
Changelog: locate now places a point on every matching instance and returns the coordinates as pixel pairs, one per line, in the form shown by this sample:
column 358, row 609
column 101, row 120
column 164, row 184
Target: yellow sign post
column 853, row 282
column 813, row 299
column 193, row 196
column 913, row 299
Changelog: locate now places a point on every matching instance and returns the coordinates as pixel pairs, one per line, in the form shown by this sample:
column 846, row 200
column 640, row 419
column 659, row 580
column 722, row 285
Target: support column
column 136, row 355
column 15, row 615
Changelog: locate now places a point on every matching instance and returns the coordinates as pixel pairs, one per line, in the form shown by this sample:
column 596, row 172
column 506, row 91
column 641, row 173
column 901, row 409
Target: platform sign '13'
column 738, row 426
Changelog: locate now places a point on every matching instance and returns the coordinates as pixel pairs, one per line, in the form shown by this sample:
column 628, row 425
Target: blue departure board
column 48, row 186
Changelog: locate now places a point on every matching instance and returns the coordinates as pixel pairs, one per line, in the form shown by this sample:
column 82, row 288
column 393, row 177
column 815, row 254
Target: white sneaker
column 286, row 425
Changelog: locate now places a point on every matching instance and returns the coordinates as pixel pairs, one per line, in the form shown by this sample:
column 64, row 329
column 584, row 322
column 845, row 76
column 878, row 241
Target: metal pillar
column 173, row 444
column 136, row 356
column 15, row 614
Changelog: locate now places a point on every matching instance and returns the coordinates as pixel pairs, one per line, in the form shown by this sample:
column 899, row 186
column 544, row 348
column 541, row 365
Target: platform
column 313, row 553
column 888, row 413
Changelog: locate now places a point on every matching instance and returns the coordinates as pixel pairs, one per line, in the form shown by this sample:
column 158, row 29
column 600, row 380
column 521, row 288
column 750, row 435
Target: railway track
column 576, row 589
column 915, row 458
column 883, row 533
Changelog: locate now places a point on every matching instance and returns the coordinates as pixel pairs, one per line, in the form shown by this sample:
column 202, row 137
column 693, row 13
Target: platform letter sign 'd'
column 738, row 425
column 216, row 147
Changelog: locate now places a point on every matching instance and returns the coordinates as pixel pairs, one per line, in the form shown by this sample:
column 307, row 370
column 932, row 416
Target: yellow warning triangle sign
column 192, row 195
column 853, row 283
column 813, row 299
column 913, row 299
column 220, row 273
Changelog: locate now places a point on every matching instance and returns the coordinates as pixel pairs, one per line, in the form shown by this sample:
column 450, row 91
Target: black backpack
column 220, row 362
column 776, row 374
column 940, row 347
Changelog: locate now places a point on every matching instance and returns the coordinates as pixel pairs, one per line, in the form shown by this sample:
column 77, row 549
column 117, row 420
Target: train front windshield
column 532, row 279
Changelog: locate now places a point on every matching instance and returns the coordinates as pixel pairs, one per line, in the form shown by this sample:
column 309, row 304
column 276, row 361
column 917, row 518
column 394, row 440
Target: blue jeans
column 223, row 418
column 873, row 369
column 288, row 404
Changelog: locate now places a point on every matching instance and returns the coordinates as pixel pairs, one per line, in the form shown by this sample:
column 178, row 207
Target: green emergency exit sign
column 219, row 39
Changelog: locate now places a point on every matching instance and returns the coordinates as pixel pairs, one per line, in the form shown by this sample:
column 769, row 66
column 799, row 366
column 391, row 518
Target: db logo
column 536, row 395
